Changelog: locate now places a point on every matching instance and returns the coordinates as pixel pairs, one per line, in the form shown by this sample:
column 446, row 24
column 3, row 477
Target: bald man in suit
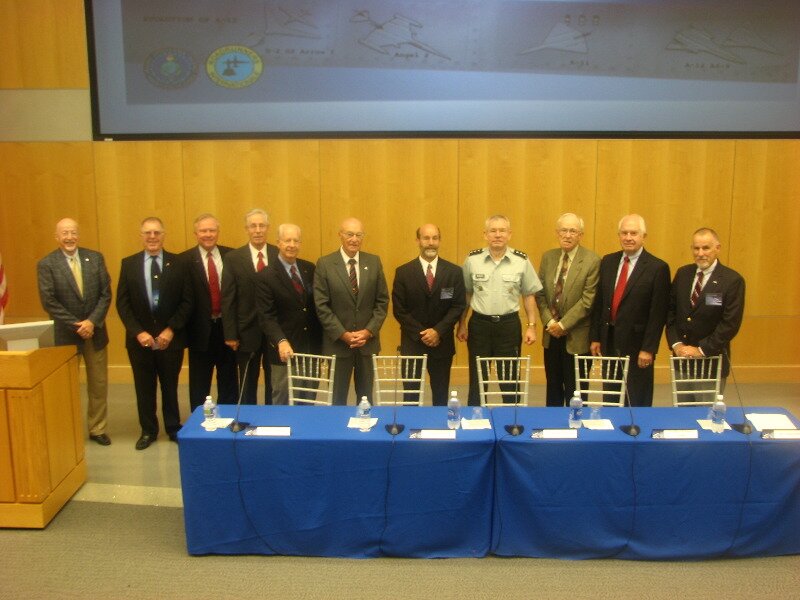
column 75, row 290
column 569, row 276
column 352, row 298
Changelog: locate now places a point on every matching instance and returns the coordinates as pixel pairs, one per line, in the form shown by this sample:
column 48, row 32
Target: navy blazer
column 58, row 292
column 198, row 327
column 174, row 304
column 285, row 314
column 642, row 312
column 716, row 319
column 416, row 308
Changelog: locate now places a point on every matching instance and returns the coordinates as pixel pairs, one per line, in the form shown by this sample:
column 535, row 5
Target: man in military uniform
column 496, row 278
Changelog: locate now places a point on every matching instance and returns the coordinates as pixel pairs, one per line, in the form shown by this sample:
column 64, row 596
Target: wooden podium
column 41, row 435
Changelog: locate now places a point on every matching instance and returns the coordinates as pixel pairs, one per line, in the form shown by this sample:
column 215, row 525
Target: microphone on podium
column 515, row 428
column 236, row 425
column 395, row 428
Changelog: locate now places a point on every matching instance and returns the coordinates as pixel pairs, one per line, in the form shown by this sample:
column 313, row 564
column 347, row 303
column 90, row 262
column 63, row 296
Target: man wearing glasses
column 352, row 298
column 569, row 275
column 154, row 301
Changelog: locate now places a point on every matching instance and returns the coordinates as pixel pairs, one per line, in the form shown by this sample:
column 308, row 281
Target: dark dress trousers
column 716, row 319
column 205, row 339
column 640, row 320
column 416, row 309
column 340, row 310
column 151, row 367
column 240, row 320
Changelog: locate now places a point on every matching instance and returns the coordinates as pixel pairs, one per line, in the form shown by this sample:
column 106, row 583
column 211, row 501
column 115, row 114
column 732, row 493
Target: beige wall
column 746, row 189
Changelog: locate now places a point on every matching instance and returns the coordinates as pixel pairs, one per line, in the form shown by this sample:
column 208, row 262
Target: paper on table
column 434, row 434
column 678, row 434
column 597, row 423
column 555, row 434
column 217, row 423
column 357, row 423
column 763, row 421
column 786, row 434
column 270, row 431
column 706, row 424
column 475, row 424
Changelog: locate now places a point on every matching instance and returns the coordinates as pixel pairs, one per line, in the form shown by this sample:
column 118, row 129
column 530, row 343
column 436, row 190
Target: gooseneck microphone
column 633, row 429
column 394, row 427
column 236, row 425
column 515, row 428
column 745, row 427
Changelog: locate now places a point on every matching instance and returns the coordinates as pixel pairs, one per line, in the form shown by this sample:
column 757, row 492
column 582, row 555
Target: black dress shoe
column 145, row 441
column 101, row 439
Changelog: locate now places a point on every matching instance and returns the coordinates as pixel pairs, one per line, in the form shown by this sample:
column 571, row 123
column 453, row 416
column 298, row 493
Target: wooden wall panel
column 676, row 185
column 41, row 183
column 230, row 178
column 392, row 186
column 136, row 180
column 765, row 231
column 43, row 44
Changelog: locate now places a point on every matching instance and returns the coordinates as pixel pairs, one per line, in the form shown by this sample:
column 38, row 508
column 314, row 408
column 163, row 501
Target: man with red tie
column 207, row 348
column 706, row 304
column 239, row 314
column 630, row 308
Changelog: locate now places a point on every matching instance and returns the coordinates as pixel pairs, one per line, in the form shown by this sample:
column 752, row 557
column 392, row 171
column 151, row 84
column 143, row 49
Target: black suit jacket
column 174, row 304
column 198, row 327
column 66, row 306
column 286, row 315
column 239, row 314
column 715, row 320
column 643, row 309
column 415, row 308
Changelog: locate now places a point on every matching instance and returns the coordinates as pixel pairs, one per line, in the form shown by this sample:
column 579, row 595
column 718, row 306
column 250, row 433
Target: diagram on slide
column 397, row 32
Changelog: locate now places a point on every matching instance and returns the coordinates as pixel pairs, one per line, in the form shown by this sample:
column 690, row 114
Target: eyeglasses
column 152, row 233
column 565, row 231
column 352, row 234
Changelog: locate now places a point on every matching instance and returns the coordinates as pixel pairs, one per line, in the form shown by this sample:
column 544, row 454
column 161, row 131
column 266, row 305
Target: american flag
column 3, row 292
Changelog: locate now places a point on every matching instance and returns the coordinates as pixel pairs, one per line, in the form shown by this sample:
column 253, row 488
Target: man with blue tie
column 154, row 301
column 75, row 290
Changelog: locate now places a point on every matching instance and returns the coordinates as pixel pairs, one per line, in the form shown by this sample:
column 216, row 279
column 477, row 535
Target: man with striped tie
column 706, row 303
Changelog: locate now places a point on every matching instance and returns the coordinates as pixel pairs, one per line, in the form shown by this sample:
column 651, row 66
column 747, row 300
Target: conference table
column 328, row 490
column 607, row 494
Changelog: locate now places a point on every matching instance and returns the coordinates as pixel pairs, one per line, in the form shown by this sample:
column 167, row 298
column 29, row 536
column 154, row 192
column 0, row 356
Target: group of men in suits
column 620, row 304
column 240, row 309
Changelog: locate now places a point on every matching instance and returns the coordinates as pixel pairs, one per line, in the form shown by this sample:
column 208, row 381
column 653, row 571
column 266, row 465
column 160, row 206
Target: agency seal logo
column 234, row 66
column 170, row 68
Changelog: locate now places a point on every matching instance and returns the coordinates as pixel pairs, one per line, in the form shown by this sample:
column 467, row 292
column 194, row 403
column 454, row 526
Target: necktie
column 213, row 286
column 353, row 277
column 298, row 284
column 75, row 267
column 260, row 263
column 155, row 283
column 698, row 287
column 429, row 278
column 620, row 289
column 559, row 290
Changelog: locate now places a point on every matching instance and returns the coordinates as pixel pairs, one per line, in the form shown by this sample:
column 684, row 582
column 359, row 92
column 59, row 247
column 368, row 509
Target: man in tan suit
column 569, row 275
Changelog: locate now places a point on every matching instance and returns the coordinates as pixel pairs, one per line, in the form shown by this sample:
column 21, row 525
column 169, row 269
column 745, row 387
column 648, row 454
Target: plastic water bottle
column 209, row 409
column 453, row 411
column 718, row 415
column 575, row 411
column 364, row 412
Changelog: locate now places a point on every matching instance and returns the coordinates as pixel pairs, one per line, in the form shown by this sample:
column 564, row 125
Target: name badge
column 447, row 294
column 479, row 277
column 713, row 299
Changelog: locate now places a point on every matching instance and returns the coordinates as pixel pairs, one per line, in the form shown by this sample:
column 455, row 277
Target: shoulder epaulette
column 520, row 253
column 474, row 252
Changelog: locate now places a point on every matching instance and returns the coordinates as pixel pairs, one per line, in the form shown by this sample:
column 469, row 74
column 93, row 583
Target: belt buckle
column 495, row 318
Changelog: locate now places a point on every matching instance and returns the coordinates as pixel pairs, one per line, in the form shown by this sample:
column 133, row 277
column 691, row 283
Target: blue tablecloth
column 610, row 495
column 332, row 491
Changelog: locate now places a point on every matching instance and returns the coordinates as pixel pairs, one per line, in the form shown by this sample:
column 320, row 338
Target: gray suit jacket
column 339, row 310
column 61, row 299
column 577, row 297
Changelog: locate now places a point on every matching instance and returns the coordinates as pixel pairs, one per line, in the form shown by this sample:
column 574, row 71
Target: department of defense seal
column 234, row 66
column 170, row 68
